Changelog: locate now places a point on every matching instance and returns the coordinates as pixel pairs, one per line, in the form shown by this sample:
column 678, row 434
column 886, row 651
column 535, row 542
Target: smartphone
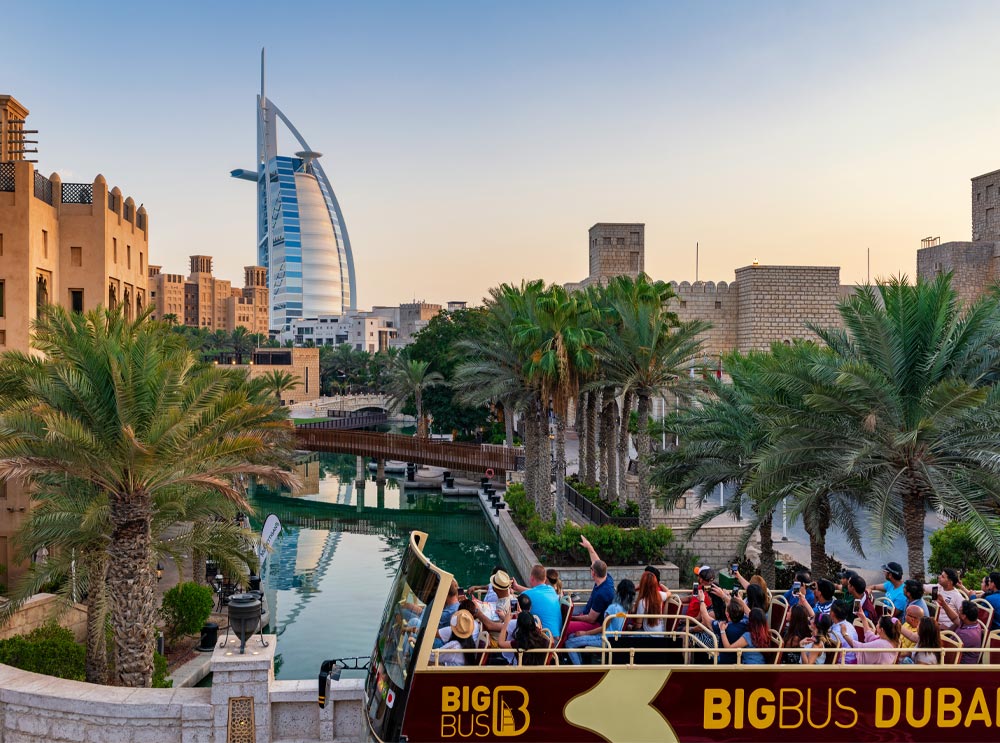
column 857, row 607
column 695, row 589
column 796, row 586
column 934, row 593
column 736, row 568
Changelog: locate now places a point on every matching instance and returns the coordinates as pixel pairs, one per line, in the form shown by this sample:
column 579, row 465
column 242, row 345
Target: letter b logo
column 510, row 711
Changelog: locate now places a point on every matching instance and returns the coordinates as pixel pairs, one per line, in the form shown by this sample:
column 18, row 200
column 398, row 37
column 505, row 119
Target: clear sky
column 471, row 143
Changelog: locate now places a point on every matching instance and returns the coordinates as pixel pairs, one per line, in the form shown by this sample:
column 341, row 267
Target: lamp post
column 244, row 618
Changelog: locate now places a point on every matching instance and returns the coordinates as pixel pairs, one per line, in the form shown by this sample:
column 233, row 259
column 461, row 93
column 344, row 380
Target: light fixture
column 159, row 571
column 244, row 618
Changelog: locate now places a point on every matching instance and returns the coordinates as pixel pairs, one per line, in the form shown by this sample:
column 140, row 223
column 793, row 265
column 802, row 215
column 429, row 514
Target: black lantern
column 244, row 617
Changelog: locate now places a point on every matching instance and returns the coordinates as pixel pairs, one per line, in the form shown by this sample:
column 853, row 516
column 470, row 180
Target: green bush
column 185, row 609
column 615, row 545
column 952, row 546
column 160, row 680
column 49, row 649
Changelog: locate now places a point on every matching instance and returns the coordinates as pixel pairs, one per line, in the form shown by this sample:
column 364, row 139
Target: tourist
column 798, row 630
column 825, row 596
column 491, row 596
column 624, row 597
column 651, row 600
column 969, row 631
column 544, row 600
column 879, row 639
column 601, row 596
column 991, row 595
column 864, row 605
column 802, row 589
column 450, row 607
column 495, row 615
column 914, row 592
column 708, row 593
column 758, row 580
column 842, row 628
column 909, row 630
column 527, row 636
column 928, row 643
column 949, row 599
column 733, row 629
column 445, row 633
column 756, row 635
column 845, row 578
column 756, row 597
column 893, row 585
column 819, row 649
column 552, row 578
column 463, row 637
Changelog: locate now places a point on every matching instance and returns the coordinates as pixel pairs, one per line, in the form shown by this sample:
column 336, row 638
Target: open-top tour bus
column 659, row 689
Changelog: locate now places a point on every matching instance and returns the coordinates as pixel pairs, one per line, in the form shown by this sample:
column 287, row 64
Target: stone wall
column 973, row 266
column 986, row 206
column 43, row 608
column 776, row 302
column 716, row 303
column 716, row 543
column 42, row 709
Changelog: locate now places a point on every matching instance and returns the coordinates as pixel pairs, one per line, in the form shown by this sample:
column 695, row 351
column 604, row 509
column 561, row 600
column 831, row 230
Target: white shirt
column 953, row 598
column 841, row 629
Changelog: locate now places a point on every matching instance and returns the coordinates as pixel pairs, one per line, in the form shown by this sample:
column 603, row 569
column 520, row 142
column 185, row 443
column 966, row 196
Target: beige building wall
column 75, row 244
column 715, row 302
column 616, row 249
column 166, row 294
column 203, row 301
column 301, row 362
column 986, row 206
column 413, row 317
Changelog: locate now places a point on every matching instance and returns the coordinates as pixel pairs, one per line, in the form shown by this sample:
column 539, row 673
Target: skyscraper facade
column 302, row 238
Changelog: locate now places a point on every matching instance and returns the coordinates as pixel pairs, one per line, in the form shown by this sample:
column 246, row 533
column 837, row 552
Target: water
column 330, row 573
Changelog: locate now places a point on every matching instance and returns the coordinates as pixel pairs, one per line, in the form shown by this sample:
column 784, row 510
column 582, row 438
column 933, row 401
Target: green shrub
column 49, row 649
column 615, row 545
column 160, row 680
column 185, row 609
column 952, row 546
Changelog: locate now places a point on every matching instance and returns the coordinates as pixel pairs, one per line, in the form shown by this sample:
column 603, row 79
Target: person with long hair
column 756, row 635
column 650, row 600
column 928, row 643
column 624, row 598
column 879, row 637
column 798, row 630
column 755, row 580
column 552, row 578
column 527, row 636
column 756, row 597
column 816, row 650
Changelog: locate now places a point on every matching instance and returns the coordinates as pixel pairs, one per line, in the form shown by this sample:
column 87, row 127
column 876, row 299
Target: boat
column 664, row 688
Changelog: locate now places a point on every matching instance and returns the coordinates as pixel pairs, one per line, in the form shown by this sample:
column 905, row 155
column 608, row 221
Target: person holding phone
column 880, row 637
column 857, row 587
column 949, row 599
column 843, row 628
column 792, row 595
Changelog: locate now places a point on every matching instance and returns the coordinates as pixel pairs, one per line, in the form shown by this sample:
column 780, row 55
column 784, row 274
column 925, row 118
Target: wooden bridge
column 385, row 446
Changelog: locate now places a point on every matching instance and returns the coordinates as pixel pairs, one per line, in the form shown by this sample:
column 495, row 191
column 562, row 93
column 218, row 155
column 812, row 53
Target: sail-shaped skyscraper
column 301, row 234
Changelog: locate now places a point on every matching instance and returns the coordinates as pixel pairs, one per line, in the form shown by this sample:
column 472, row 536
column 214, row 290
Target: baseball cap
column 894, row 569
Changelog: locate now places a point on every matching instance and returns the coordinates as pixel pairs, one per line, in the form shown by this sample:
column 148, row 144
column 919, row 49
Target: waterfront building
column 203, row 301
column 302, row 239
column 79, row 245
column 300, row 362
column 974, row 264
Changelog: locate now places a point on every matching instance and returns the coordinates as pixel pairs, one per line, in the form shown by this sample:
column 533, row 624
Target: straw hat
column 500, row 580
column 463, row 624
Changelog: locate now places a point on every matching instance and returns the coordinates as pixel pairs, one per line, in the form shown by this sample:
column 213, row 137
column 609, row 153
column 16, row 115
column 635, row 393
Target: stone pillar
column 241, row 687
column 380, row 472
column 380, row 493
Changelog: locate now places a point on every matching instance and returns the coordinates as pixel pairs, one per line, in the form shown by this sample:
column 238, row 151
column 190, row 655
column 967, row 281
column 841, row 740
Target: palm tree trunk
column 623, row 436
column 767, row 569
column 198, row 567
column 508, row 423
column 97, row 614
column 609, row 443
column 421, row 423
column 816, row 527
column 644, row 449
column 131, row 588
column 560, row 496
column 531, row 456
column 914, row 513
column 583, row 435
column 593, row 423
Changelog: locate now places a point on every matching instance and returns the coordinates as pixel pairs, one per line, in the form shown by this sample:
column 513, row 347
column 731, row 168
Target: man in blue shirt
column 792, row 595
column 893, row 585
column 992, row 585
column 544, row 600
column 601, row 595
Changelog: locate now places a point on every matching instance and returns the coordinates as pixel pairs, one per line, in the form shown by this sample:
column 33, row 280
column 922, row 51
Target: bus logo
column 476, row 712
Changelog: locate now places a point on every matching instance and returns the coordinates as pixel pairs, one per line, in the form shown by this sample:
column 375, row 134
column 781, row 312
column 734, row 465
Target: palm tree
column 277, row 383
column 242, row 342
column 123, row 406
column 913, row 380
column 409, row 378
column 170, row 318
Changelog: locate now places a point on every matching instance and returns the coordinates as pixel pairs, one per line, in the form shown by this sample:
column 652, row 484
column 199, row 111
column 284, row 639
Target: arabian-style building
column 79, row 245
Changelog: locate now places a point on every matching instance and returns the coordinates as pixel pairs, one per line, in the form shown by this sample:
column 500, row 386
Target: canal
column 329, row 575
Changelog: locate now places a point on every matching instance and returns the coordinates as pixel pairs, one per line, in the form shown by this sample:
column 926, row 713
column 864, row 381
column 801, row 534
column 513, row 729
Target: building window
column 991, row 215
column 76, row 300
column 633, row 238
column 45, row 243
column 114, row 250
column 633, row 261
column 128, row 256
column 683, row 304
column 41, row 293
column 76, row 256
column 718, row 305
column 307, row 380
column 607, row 240
column 3, row 490
column 990, row 192
column 1, row 243
column 1, row 299
column 141, row 269
column 3, row 337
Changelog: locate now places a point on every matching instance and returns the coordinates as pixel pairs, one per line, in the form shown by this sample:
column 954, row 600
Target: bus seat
column 778, row 612
column 776, row 644
column 672, row 608
column 985, row 611
column 993, row 643
column 952, row 644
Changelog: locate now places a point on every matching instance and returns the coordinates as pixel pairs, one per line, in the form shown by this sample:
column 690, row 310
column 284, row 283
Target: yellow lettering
column 796, row 708
column 881, row 720
column 480, row 699
column 716, row 707
column 846, row 708
column 911, row 704
column 758, row 715
column 462, row 733
column 483, row 726
column 738, row 710
column 949, row 712
column 810, row 705
column 450, row 698
column 505, row 718
column 977, row 710
column 448, row 728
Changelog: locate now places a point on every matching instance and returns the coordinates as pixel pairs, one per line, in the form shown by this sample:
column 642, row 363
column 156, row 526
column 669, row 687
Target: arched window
column 112, row 297
column 41, row 293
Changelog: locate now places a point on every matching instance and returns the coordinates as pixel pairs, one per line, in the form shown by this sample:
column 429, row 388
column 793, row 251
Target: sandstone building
column 299, row 362
column 79, row 245
column 203, row 301
column 975, row 264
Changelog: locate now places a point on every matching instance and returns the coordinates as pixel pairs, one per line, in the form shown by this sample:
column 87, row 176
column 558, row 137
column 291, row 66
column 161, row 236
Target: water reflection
column 339, row 550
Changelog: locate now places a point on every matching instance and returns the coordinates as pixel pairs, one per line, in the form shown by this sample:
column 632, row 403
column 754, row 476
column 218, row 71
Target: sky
column 473, row 143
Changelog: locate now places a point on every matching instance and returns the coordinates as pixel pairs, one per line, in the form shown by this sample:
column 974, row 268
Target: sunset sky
column 471, row 143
